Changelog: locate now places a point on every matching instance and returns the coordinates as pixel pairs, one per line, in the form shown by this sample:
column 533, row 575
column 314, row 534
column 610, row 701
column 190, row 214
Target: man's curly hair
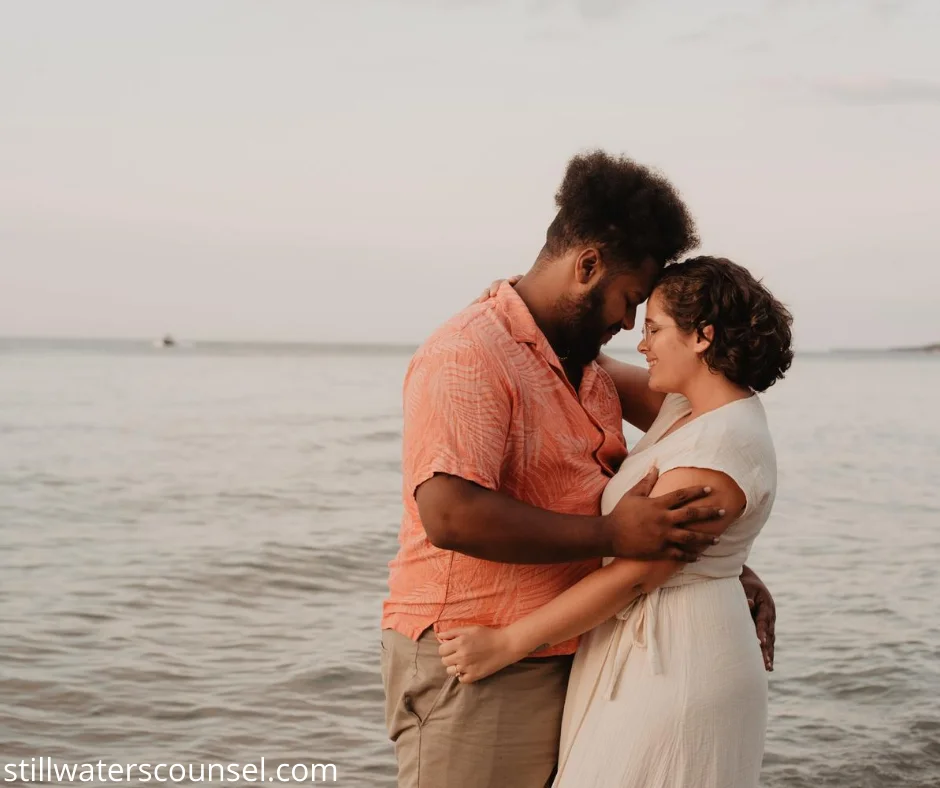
column 631, row 212
column 752, row 329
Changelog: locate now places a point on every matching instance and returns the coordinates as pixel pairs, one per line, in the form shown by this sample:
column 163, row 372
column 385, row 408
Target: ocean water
column 193, row 550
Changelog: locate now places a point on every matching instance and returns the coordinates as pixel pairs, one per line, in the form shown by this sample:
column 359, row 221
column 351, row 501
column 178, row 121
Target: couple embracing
column 562, row 613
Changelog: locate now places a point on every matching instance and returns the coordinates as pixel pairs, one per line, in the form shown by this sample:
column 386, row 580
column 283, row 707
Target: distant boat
column 167, row 341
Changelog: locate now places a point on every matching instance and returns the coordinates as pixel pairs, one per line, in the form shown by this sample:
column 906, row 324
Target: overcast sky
column 357, row 171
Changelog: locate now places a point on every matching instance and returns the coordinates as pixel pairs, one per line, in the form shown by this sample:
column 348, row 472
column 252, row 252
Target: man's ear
column 588, row 266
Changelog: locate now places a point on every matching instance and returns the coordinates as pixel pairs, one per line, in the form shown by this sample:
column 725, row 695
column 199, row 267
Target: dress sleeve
column 727, row 443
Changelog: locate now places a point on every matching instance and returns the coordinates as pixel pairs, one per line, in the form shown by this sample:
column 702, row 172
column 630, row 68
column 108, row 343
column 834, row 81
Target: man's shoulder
column 475, row 334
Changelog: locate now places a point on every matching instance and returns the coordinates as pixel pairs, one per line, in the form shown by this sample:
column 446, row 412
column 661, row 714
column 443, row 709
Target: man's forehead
column 641, row 281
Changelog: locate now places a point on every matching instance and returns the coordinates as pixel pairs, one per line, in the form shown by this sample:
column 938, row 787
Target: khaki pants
column 501, row 732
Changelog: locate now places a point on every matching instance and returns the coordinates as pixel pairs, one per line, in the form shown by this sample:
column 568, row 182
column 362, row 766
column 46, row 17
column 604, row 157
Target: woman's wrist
column 518, row 644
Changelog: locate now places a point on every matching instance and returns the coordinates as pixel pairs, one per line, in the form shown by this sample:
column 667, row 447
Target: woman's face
column 673, row 356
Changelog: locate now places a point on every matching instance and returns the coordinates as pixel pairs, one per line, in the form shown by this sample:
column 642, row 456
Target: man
column 511, row 432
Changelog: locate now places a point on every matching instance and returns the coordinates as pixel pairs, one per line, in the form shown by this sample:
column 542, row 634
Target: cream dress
column 672, row 692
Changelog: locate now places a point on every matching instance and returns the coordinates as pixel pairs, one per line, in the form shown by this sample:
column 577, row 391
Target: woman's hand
column 490, row 292
column 473, row 653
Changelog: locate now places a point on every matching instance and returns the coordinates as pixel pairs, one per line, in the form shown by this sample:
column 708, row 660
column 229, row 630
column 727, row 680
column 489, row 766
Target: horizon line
column 360, row 344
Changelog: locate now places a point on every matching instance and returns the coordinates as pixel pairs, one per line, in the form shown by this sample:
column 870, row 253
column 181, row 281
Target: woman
column 668, row 688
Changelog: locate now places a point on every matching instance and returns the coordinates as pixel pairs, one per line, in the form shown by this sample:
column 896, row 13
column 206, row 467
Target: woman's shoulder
column 737, row 432
column 740, row 418
column 735, row 440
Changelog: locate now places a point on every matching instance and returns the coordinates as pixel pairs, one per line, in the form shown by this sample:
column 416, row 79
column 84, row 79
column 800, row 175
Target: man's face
column 594, row 318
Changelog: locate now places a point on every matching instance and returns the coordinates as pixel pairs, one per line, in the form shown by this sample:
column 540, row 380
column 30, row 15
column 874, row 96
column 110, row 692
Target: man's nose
column 629, row 320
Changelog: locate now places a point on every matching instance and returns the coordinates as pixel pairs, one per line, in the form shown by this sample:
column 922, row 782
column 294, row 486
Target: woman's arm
column 481, row 651
column 639, row 403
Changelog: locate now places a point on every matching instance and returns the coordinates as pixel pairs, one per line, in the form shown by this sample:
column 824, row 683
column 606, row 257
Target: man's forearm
column 469, row 519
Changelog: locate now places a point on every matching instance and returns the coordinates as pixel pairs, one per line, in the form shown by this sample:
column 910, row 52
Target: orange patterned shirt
column 486, row 399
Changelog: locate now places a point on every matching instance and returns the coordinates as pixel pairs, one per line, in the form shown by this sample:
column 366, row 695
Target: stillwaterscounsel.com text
column 44, row 769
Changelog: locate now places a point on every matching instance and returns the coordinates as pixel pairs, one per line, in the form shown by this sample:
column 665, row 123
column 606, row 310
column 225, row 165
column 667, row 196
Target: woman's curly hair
column 752, row 329
column 630, row 211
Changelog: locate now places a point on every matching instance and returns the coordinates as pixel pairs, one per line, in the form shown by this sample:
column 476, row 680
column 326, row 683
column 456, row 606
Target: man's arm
column 465, row 517
column 458, row 414
column 480, row 651
column 602, row 593
column 763, row 611
column 639, row 403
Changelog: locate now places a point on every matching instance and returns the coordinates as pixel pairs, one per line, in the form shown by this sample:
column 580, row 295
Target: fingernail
column 708, row 489
column 721, row 512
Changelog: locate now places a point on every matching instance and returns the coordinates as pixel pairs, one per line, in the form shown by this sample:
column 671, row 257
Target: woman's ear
column 705, row 337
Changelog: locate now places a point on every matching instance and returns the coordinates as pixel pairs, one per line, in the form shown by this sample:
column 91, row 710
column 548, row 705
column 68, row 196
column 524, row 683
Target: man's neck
column 574, row 373
column 539, row 293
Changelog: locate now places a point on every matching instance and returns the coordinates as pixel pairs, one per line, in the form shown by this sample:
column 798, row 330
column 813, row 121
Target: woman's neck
column 710, row 390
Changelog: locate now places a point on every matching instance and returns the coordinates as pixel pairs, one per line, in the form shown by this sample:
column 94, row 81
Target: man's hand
column 653, row 529
column 764, row 613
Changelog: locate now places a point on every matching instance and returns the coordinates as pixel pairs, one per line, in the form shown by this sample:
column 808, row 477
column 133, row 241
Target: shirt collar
column 523, row 328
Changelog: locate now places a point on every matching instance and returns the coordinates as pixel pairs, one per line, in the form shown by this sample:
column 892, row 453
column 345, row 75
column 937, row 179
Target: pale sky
column 350, row 170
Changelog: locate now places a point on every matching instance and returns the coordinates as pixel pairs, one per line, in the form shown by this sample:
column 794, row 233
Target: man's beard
column 584, row 327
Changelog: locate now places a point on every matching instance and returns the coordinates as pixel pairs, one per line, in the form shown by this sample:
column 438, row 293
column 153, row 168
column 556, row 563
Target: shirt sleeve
column 457, row 414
